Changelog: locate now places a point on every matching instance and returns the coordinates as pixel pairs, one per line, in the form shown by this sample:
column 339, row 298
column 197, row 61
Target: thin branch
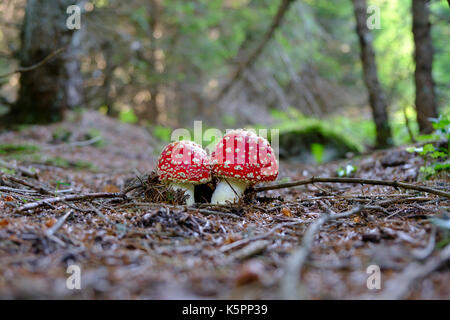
column 250, row 250
column 34, row 66
column 49, row 233
column 15, row 190
column 241, row 242
column 217, row 213
column 386, row 203
column 84, row 143
column 72, row 197
column 22, row 170
column 422, row 254
column 295, row 262
column 282, row 10
column 39, row 189
column 394, row 184
column 400, row 286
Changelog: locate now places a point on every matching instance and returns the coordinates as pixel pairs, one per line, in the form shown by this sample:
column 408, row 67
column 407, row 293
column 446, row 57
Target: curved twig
column 72, row 197
column 394, row 184
column 34, row 66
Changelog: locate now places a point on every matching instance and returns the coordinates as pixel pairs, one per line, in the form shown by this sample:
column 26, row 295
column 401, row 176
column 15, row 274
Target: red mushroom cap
column 246, row 156
column 184, row 161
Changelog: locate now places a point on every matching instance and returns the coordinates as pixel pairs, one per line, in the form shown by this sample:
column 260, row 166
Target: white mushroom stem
column 229, row 190
column 188, row 189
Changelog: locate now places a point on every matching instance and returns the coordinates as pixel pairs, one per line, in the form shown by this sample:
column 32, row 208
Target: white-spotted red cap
column 246, row 156
column 185, row 162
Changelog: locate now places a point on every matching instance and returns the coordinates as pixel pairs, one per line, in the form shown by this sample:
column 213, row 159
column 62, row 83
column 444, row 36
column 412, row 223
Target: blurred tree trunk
column 376, row 95
column 423, row 54
column 46, row 92
column 151, row 111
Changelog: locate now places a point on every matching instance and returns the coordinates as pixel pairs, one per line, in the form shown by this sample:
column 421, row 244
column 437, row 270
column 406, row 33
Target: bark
column 46, row 92
column 423, row 55
column 377, row 98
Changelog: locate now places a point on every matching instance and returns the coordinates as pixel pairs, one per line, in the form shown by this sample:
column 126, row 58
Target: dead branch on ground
column 72, row 197
column 291, row 279
column 394, row 184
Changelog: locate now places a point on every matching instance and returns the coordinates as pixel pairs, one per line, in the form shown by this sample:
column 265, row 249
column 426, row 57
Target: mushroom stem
column 229, row 190
column 188, row 189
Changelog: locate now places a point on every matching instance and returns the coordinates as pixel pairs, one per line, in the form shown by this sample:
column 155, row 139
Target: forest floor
column 128, row 248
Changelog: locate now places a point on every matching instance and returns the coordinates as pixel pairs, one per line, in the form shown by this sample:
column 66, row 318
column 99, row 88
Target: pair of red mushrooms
column 240, row 159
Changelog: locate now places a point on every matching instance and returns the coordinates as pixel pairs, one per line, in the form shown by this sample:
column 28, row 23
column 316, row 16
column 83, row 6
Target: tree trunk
column 46, row 92
column 423, row 55
column 377, row 98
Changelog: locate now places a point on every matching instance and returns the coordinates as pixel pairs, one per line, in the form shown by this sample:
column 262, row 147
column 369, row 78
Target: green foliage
column 7, row 171
column 61, row 134
column 229, row 121
column 443, row 224
column 336, row 128
column 60, row 183
column 347, row 171
column 17, row 148
column 127, row 116
column 162, row 133
column 436, row 158
column 317, row 150
column 95, row 133
column 65, row 163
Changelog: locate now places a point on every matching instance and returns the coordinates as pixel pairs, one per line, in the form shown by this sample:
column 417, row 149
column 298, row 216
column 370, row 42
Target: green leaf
column 318, row 151
column 349, row 170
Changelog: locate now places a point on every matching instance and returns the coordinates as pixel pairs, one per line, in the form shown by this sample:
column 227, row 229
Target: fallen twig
column 15, row 190
column 217, row 213
column 251, row 250
column 386, row 203
column 294, row 265
column 39, row 189
column 400, row 286
column 72, row 197
column 24, row 171
column 49, row 233
column 241, row 242
column 422, row 254
column 394, row 184
column 84, row 143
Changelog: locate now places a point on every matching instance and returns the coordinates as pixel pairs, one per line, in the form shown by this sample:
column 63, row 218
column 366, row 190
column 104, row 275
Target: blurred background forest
column 294, row 65
column 358, row 89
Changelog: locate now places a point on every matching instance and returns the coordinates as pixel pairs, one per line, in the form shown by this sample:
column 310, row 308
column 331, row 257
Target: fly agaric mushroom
column 241, row 159
column 183, row 164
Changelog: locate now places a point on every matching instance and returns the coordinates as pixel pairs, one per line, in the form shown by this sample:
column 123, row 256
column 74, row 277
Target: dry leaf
column 110, row 188
column 50, row 222
column 4, row 222
column 287, row 212
column 8, row 198
column 231, row 238
column 249, row 272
